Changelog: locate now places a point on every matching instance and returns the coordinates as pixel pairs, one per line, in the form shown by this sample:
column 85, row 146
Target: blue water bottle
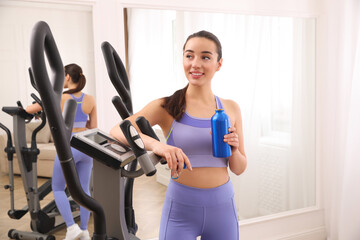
column 220, row 124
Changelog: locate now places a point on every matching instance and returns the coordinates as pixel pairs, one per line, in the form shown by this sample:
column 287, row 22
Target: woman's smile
column 196, row 74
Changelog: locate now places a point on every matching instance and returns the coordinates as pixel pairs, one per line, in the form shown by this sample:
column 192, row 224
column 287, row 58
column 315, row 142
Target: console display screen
column 107, row 143
column 98, row 138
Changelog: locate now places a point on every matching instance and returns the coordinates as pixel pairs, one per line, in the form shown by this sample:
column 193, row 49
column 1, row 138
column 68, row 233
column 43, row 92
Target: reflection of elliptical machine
column 110, row 156
column 44, row 220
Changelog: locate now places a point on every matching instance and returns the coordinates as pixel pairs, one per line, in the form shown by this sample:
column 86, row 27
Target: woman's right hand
column 174, row 156
column 34, row 108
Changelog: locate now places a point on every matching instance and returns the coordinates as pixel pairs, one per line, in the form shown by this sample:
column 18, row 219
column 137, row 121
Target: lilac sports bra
column 192, row 135
column 80, row 117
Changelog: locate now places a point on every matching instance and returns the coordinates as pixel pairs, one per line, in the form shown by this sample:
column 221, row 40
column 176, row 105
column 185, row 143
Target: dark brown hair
column 175, row 104
column 77, row 76
column 209, row 36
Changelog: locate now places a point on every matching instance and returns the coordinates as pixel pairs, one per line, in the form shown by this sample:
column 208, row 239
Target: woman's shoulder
column 89, row 97
column 89, row 100
column 231, row 106
column 66, row 95
column 229, row 103
column 155, row 112
column 232, row 109
column 155, row 105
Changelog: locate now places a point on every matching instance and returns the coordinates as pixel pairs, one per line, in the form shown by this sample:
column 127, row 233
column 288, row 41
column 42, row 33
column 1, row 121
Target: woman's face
column 200, row 61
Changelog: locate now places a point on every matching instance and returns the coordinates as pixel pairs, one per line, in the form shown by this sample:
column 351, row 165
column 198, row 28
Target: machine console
column 102, row 147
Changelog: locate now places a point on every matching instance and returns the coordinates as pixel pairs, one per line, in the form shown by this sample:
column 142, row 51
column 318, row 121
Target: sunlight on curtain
column 268, row 69
column 342, row 195
column 151, row 67
column 349, row 213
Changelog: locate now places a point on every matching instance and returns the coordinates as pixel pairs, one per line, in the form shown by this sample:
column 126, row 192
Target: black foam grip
column 125, row 127
column 145, row 127
column 31, row 75
column 120, row 107
column 36, row 99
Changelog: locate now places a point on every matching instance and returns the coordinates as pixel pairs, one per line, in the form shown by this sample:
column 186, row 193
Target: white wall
column 108, row 26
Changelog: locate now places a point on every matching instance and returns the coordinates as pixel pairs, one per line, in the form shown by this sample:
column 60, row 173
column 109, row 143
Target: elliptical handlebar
column 9, row 149
column 32, row 78
column 120, row 107
column 36, row 99
column 19, row 104
column 7, row 132
column 31, row 75
column 37, row 129
column 138, row 147
column 18, row 111
column 51, row 91
column 117, row 75
column 61, row 126
column 145, row 127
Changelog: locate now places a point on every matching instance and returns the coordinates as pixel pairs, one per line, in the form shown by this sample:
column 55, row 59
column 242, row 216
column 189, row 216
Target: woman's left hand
column 232, row 139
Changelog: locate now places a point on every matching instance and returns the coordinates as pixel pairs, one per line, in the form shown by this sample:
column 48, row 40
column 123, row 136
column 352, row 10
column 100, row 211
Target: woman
column 85, row 118
column 199, row 199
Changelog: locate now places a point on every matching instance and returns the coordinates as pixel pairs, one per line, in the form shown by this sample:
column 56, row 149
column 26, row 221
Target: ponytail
column 77, row 76
column 175, row 104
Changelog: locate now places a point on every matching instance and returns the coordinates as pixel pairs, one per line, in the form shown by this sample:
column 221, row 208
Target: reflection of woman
column 200, row 202
column 86, row 108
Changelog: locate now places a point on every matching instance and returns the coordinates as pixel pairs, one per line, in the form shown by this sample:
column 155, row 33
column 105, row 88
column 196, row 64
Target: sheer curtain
column 342, row 165
column 302, row 168
column 263, row 72
column 152, row 71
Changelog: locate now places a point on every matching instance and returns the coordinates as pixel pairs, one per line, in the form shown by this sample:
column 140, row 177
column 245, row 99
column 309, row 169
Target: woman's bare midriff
column 209, row 177
column 78, row 129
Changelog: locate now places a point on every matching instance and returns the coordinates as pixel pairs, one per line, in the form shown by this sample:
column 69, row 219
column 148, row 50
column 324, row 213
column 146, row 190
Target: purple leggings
column 190, row 212
column 83, row 166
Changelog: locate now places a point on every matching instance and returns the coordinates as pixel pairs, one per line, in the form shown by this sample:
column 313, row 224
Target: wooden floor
column 148, row 200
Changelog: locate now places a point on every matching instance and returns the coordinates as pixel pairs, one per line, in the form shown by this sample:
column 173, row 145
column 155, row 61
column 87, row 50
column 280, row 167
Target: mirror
column 268, row 69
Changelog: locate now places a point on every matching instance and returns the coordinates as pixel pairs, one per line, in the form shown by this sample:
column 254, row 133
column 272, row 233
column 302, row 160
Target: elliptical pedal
column 16, row 234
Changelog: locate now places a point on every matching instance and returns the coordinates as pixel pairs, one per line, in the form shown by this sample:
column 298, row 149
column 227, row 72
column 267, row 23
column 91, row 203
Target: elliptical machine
column 47, row 219
column 123, row 104
column 110, row 156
